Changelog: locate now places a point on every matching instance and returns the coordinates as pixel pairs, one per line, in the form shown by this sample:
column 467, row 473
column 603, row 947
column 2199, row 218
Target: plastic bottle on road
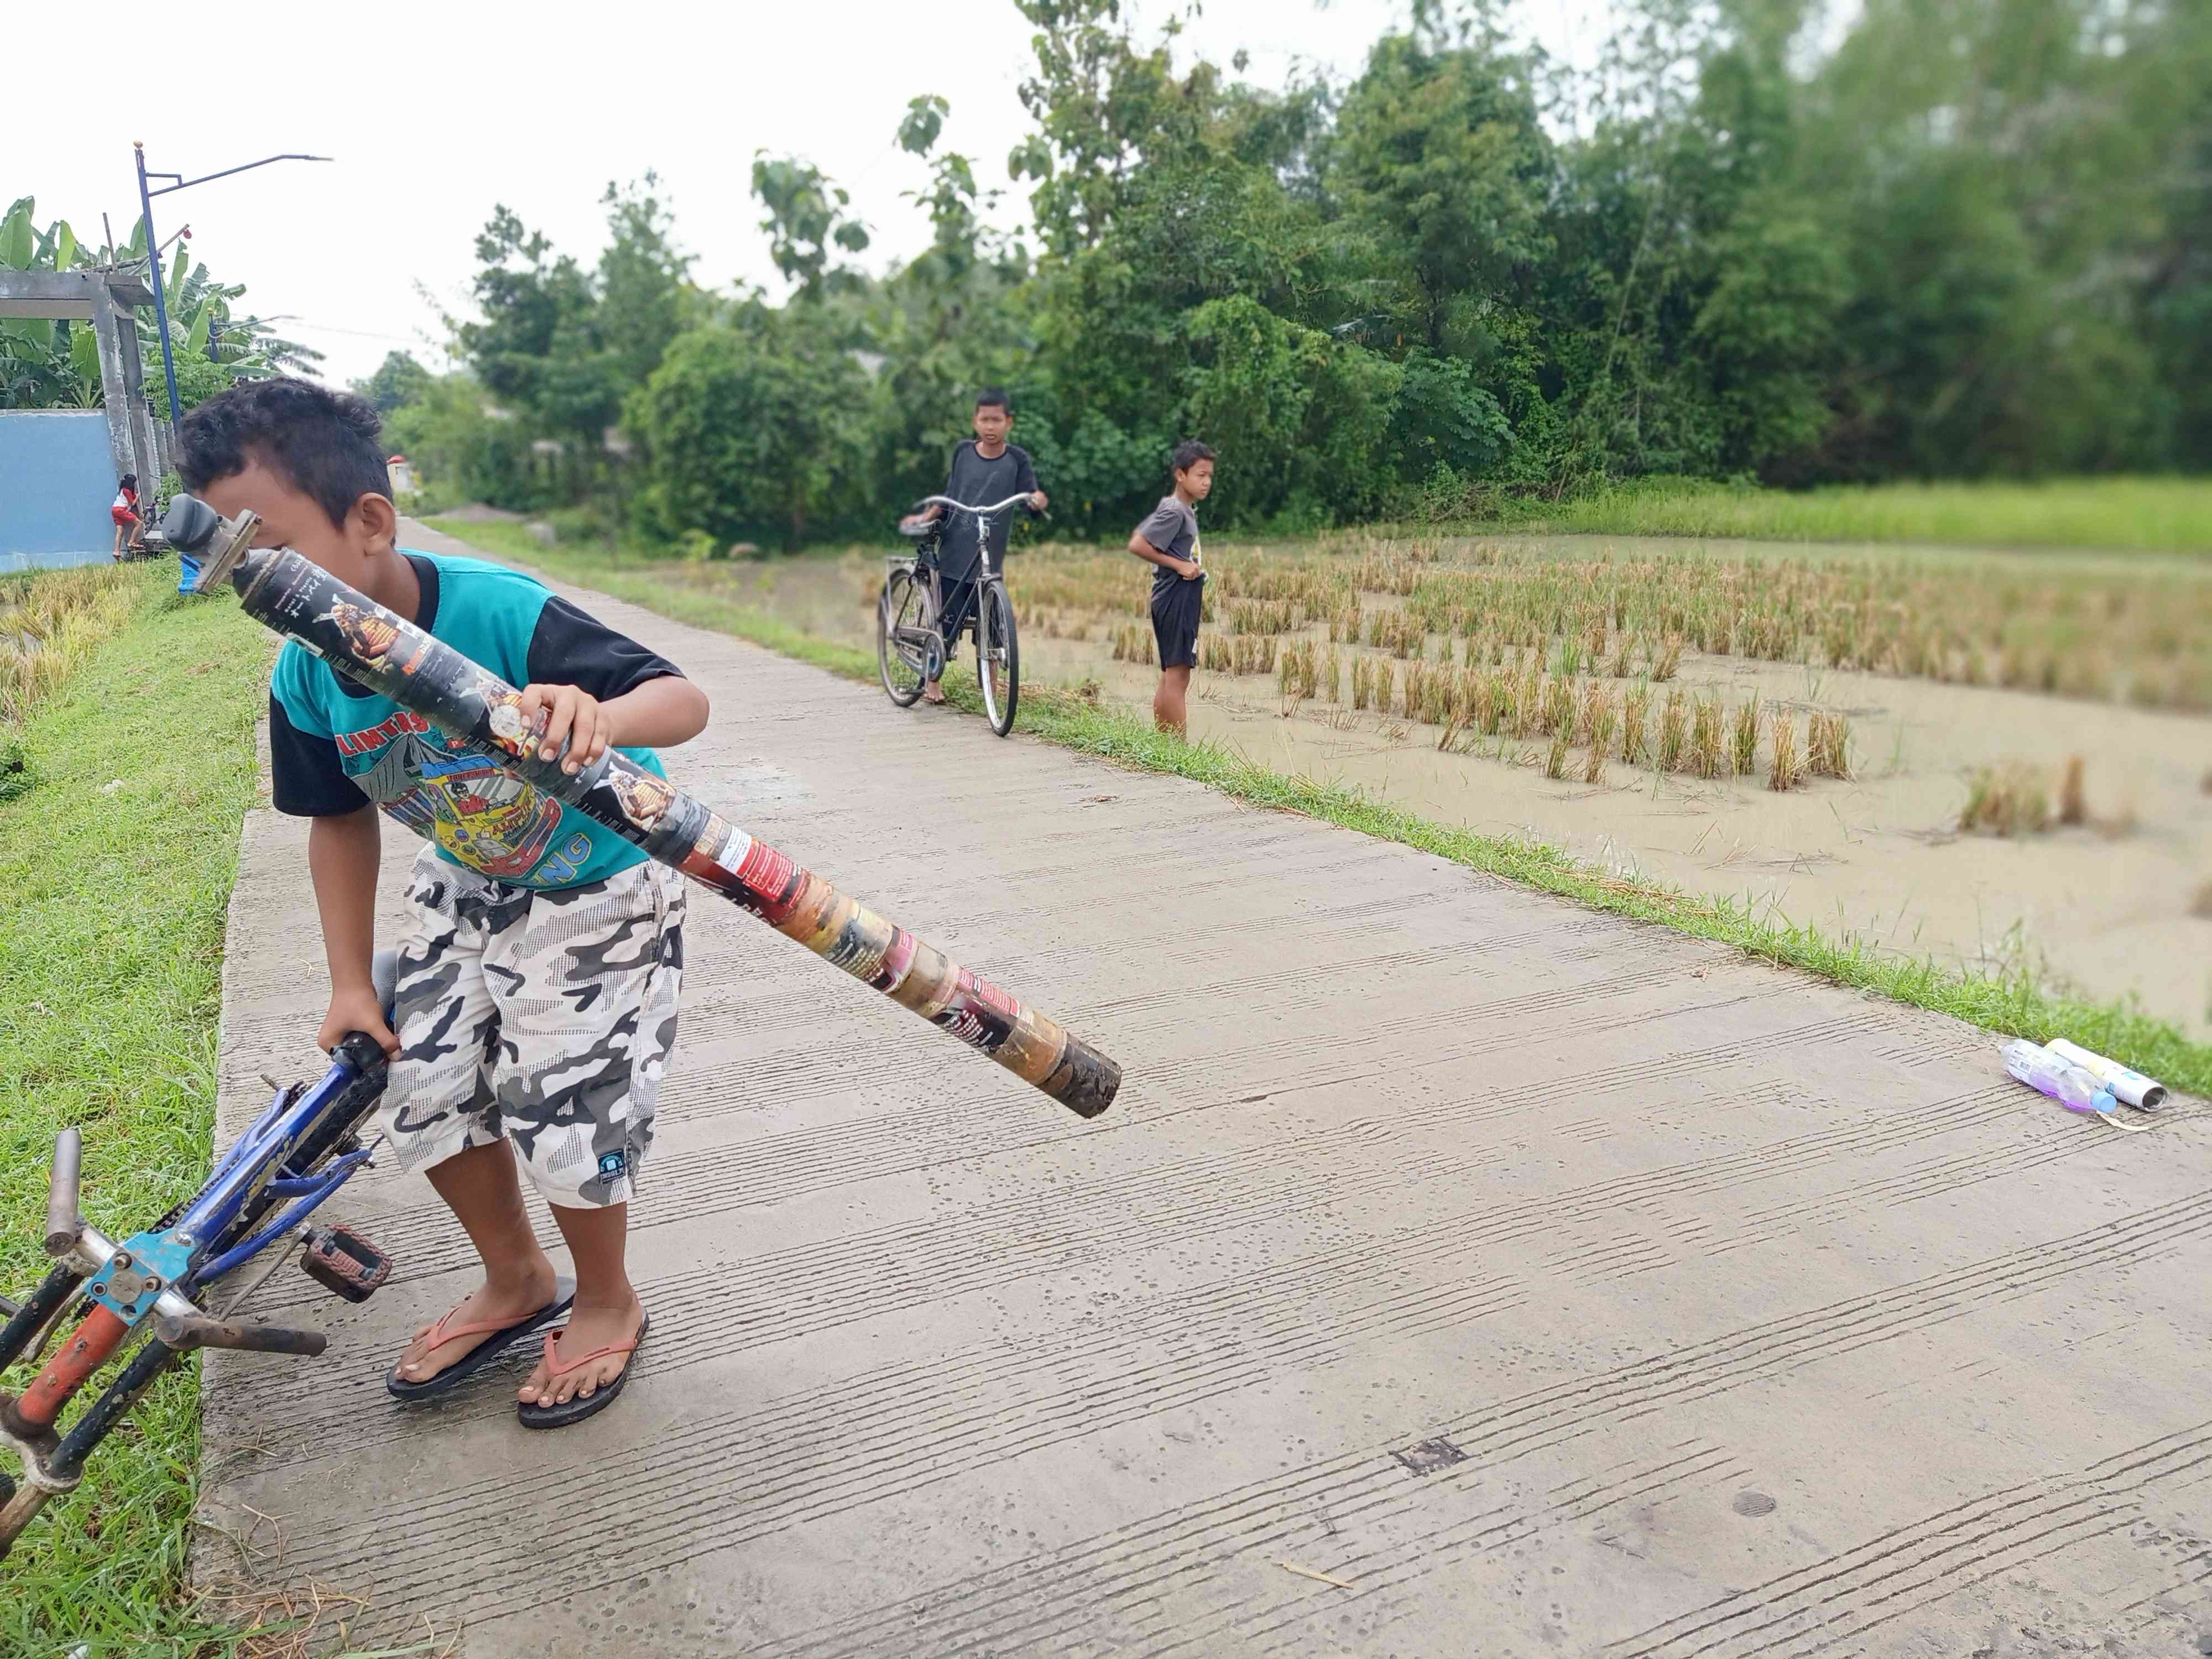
column 2126, row 1084
column 2050, row 1074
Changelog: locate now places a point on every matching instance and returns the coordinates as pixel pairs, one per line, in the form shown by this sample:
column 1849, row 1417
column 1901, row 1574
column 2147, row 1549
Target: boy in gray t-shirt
column 1168, row 540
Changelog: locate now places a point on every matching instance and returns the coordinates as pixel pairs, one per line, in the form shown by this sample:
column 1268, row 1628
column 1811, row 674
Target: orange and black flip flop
column 532, row 1415
column 502, row 1337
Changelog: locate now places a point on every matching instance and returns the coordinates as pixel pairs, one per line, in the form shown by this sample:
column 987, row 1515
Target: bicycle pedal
column 345, row 1263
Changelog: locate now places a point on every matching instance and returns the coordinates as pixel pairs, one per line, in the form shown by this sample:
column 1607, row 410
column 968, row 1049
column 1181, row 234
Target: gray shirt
column 979, row 483
column 1173, row 529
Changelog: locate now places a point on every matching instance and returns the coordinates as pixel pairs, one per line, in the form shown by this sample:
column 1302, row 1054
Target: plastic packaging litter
column 2129, row 1087
column 2072, row 1087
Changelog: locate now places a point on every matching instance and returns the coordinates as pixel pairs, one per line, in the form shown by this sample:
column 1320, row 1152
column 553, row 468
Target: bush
column 592, row 522
column 462, row 451
column 749, row 427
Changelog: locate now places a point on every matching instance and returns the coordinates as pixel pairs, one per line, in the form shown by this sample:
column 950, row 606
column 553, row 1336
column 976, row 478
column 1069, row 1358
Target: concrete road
column 1460, row 1273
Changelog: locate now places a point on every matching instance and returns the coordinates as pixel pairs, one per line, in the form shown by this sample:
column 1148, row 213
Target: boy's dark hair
column 1188, row 453
column 322, row 442
column 128, row 480
column 993, row 397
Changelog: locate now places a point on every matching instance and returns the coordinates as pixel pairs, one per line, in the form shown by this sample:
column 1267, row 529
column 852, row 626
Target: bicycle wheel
column 904, row 607
column 998, row 658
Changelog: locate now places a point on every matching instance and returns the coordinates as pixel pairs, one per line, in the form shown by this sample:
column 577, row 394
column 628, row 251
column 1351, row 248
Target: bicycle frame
column 296, row 1149
column 990, row 574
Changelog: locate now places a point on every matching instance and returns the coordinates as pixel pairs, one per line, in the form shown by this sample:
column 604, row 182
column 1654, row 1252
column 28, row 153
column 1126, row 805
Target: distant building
column 403, row 481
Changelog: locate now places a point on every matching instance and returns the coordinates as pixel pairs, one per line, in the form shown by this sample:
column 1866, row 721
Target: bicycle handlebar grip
column 62, row 1221
column 384, row 651
column 364, row 1051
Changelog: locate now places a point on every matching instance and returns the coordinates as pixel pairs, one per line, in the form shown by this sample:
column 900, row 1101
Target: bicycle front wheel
column 998, row 658
column 901, row 616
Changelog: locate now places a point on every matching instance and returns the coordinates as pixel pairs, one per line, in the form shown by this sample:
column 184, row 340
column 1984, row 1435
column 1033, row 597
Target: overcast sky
column 435, row 113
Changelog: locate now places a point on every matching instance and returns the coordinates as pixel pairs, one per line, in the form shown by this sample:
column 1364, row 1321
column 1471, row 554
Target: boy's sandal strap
column 553, row 1369
column 442, row 1331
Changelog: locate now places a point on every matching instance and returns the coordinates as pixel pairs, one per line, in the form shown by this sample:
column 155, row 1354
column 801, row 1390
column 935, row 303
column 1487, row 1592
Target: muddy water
column 2107, row 906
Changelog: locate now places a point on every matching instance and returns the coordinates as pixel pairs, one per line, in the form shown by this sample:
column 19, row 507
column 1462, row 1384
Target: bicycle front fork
column 53, row 1461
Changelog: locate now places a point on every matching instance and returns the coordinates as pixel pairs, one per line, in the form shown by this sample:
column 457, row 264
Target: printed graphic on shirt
column 483, row 814
column 334, row 746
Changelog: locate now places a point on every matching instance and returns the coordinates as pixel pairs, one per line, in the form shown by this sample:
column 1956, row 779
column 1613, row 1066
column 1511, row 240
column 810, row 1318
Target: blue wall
column 56, row 482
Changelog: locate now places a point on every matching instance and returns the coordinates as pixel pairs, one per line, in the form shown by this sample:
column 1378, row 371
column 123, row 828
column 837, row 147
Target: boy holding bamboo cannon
column 539, row 975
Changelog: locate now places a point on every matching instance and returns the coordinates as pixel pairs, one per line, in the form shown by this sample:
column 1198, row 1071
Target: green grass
column 2015, row 1003
column 110, row 957
column 2139, row 515
column 644, row 579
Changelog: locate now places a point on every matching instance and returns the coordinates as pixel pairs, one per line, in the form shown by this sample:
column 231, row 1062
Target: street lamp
column 153, row 259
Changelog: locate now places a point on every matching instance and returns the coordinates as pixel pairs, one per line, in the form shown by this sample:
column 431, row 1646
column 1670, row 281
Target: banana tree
column 47, row 365
column 203, row 324
column 41, row 364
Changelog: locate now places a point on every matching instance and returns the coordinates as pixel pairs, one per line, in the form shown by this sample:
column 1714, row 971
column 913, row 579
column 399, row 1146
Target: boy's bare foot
column 514, row 1298
column 589, row 1328
column 932, row 692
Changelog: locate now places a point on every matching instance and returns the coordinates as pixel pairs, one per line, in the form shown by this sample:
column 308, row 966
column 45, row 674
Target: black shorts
column 1174, row 622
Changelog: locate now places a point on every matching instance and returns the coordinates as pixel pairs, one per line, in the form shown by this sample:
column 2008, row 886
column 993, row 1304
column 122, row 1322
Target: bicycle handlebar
column 996, row 507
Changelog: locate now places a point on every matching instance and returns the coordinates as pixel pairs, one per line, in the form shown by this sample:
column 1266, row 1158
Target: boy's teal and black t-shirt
column 335, row 748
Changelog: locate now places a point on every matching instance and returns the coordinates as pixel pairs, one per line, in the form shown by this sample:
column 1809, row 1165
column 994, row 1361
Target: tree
column 1104, row 111
column 806, row 218
column 1443, row 169
column 750, row 424
column 560, row 345
column 398, row 381
column 1755, row 239
column 461, row 448
column 645, row 293
column 533, row 345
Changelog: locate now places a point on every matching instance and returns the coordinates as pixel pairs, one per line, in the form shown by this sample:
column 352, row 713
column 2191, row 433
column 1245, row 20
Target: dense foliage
column 1957, row 239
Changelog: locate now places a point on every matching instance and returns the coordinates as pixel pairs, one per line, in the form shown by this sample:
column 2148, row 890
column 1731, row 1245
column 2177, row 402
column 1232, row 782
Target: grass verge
column 2016, row 1003
column 2140, row 515
column 118, row 867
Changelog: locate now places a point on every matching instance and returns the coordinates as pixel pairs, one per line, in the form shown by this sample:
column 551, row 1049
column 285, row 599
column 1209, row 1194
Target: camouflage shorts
column 541, row 1017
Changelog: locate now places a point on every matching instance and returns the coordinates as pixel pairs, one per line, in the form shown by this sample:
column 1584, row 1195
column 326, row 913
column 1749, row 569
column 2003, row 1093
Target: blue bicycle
column 302, row 1148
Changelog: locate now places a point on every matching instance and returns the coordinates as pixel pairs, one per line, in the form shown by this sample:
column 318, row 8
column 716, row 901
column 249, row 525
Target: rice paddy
column 2138, row 631
column 1798, row 730
column 51, row 621
column 2008, row 800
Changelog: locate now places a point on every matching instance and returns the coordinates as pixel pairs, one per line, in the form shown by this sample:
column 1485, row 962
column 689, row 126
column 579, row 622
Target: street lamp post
column 146, row 195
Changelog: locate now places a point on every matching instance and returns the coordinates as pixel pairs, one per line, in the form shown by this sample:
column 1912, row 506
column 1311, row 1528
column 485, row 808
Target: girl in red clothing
column 125, row 513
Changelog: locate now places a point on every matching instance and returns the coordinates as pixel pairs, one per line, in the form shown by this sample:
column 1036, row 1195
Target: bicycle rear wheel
column 903, row 607
column 998, row 658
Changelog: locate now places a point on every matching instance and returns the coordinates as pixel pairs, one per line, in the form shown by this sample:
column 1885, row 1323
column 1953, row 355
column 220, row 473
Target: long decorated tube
column 383, row 651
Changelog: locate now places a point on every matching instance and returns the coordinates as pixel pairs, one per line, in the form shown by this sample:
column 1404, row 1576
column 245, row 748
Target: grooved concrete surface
column 1558, row 1285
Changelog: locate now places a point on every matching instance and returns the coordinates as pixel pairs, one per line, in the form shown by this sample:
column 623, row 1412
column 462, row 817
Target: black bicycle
column 909, row 648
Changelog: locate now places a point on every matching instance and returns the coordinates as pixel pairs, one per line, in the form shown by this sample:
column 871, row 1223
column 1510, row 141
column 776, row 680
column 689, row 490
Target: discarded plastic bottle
column 2127, row 1085
column 2064, row 1081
